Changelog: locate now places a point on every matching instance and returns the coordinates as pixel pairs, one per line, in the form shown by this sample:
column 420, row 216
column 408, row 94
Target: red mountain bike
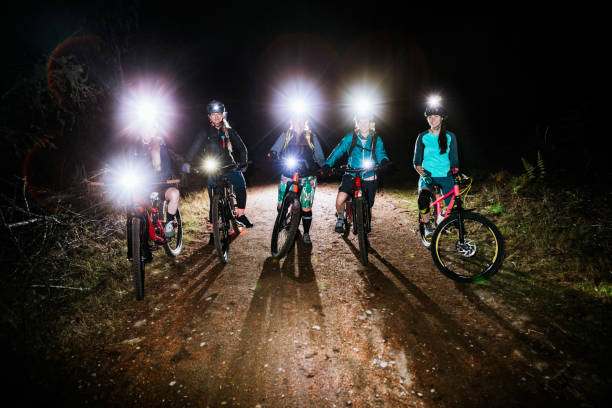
column 146, row 227
column 288, row 218
column 357, row 209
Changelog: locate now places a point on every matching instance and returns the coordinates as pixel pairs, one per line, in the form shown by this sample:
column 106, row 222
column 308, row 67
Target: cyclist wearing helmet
column 435, row 159
column 224, row 143
column 301, row 143
column 364, row 147
column 151, row 151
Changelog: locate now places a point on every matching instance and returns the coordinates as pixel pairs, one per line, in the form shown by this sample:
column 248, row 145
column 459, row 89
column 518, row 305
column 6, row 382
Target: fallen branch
column 59, row 287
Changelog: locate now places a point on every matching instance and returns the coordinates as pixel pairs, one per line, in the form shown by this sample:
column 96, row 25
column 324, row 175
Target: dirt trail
column 318, row 329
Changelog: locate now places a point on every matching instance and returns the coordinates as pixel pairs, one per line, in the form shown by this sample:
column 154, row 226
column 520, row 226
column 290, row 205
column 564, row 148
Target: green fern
column 541, row 166
column 529, row 168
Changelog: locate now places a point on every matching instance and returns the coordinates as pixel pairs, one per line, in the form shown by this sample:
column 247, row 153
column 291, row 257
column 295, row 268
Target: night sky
column 512, row 83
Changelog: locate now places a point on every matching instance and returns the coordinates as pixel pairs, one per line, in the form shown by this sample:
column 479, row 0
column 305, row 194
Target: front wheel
column 360, row 217
column 285, row 226
column 473, row 257
column 174, row 245
column 220, row 229
column 137, row 258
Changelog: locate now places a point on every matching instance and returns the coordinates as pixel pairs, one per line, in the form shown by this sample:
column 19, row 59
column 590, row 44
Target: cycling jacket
column 360, row 153
column 427, row 154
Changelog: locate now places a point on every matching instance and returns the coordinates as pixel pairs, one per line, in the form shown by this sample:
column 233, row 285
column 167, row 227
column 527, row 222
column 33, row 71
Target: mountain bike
column 465, row 246
column 146, row 225
column 288, row 217
column 223, row 208
column 357, row 209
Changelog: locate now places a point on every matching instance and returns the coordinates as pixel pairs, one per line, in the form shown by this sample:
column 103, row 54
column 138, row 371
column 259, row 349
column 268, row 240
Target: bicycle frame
column 456, row 193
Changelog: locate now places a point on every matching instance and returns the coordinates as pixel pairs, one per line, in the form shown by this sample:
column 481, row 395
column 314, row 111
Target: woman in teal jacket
column 364, row 148
column 435, row 159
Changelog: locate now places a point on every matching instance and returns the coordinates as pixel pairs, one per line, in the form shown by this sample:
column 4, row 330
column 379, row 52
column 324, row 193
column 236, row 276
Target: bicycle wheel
column 360, row 208
column 220, row 229
column 174, row 245
column 474, row 259
column 285, row 226
column 433, row 220
column 137, row 260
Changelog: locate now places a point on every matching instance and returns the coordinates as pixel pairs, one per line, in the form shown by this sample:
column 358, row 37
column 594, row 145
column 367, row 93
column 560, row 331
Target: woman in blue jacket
column 435, row 159
column 364, row 147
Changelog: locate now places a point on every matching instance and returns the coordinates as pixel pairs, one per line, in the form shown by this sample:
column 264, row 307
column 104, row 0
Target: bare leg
column 340, row 199
column 172, row 195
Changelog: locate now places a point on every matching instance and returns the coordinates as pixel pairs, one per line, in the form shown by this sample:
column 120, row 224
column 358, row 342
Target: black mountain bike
column 288, row 218
column 357, row 209
column 223, row 210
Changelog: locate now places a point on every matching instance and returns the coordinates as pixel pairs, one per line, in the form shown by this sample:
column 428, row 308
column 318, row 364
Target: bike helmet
column 435, row 110
column 215, row 107
column 360, row 115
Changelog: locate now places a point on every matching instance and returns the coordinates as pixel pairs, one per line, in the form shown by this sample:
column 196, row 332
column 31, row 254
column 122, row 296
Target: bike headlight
column 211, row 165
column 291, row 162
column 368, row 164
column 129, row 180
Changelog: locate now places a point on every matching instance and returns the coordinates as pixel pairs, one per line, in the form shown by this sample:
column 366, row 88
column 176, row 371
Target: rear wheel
column 137, row 259
column 220, row 229
column 360, row 208
column 285, row 226
column 174, row 245
column 475, row 257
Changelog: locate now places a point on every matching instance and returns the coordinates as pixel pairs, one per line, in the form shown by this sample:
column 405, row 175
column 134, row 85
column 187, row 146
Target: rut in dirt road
column 318, row 329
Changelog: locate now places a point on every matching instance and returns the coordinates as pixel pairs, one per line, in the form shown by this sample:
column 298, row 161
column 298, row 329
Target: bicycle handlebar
column 102, row 183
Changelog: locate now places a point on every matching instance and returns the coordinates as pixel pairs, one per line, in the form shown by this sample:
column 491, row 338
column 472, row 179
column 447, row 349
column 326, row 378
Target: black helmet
column 215, row 107
column 435, row 110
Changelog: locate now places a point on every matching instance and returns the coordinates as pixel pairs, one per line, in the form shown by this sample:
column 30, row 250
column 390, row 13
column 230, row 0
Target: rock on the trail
column 133, row 341
column 140, row 323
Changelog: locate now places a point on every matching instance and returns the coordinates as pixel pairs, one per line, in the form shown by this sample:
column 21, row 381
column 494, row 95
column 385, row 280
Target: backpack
column 371, row 149
column 288, row 139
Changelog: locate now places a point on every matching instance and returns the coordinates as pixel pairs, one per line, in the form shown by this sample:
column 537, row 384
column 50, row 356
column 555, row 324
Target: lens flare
column 291, row 162
column 434, row 101
column 211, row 165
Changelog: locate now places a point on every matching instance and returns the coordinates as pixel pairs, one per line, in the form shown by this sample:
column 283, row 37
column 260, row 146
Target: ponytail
column 442, row 141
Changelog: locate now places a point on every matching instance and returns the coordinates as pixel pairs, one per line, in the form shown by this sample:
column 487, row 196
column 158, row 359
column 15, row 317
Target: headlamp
column 434, row 101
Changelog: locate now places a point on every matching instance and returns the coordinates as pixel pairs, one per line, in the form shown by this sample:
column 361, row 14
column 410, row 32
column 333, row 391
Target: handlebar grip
column 173, row 181
column 96, row 183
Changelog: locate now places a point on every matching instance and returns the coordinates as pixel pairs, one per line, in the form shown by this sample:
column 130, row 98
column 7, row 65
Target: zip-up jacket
column 359, row 154
column 213, row 141
column 427, row 154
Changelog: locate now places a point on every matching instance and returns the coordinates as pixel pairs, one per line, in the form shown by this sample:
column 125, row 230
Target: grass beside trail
column 557, row 267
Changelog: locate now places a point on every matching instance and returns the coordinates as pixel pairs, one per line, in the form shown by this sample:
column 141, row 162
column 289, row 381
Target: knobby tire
column 482, row 237
column 285, row 226
column 137, row 261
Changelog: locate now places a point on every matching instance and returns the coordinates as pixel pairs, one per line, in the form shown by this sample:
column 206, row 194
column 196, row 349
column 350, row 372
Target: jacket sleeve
column 239, row 147
column 453, row 153
column 379, row 149
column 195, row 146
column 419, row 148
column 166, row 163
column 278, row 145
column 319, row 157
column 339, row 151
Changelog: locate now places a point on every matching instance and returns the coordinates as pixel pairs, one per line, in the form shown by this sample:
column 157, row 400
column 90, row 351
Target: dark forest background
column 514, row 84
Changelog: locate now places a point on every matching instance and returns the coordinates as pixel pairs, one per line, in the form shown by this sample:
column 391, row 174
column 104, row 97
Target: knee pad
column 424, row 200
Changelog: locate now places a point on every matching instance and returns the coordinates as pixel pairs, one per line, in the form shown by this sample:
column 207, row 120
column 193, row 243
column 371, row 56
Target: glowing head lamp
column 434, row 101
